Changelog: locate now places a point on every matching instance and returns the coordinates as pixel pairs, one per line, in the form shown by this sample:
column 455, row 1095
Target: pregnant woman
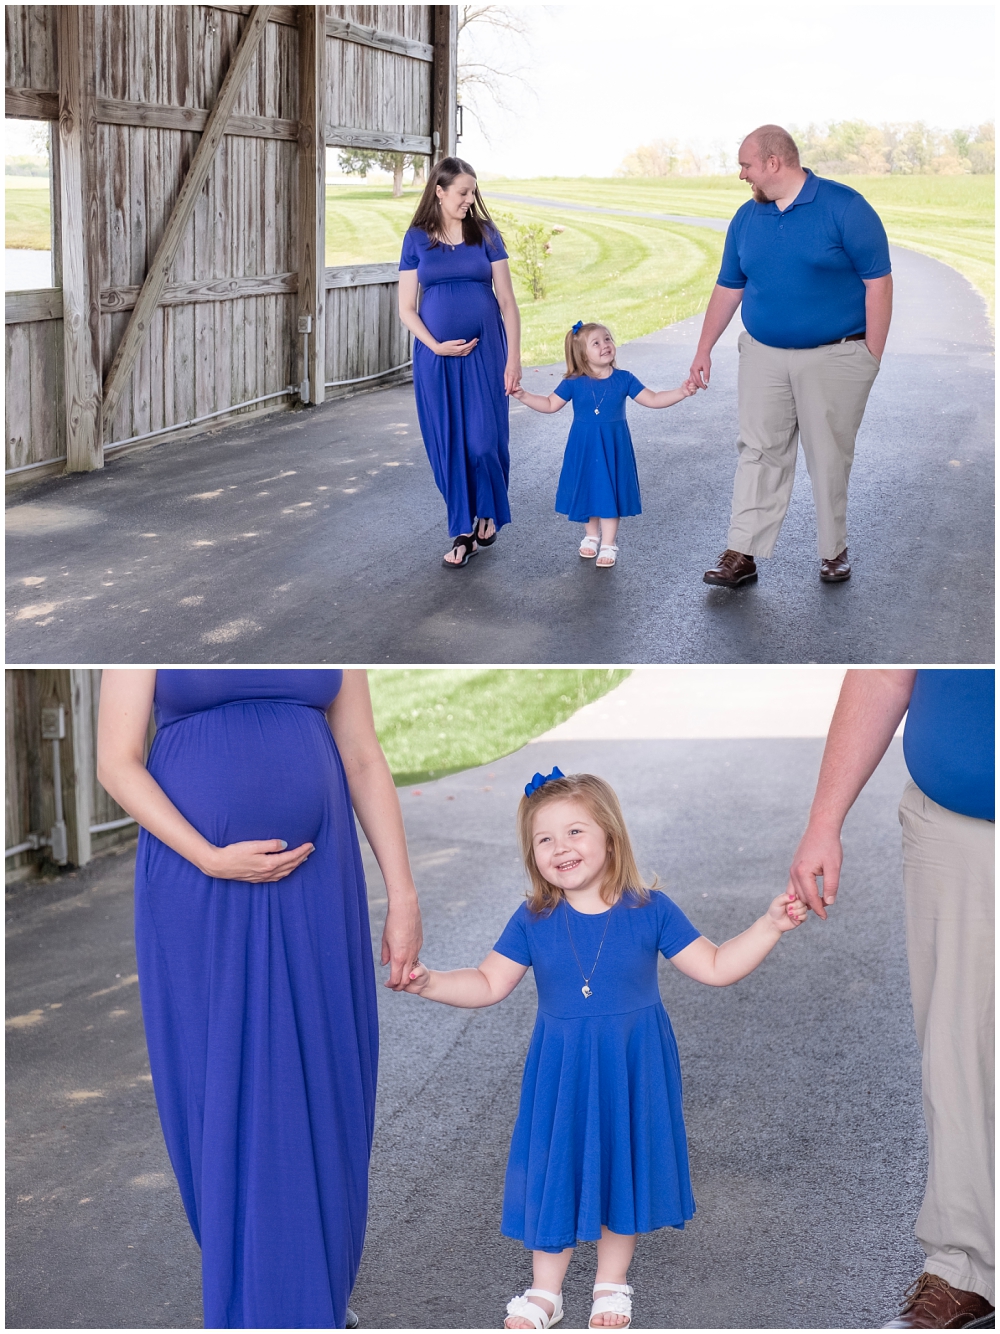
column 255, row 966
column 467, row 354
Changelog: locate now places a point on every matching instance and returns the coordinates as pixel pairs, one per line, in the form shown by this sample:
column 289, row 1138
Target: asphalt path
column 801, row 1082
column 316, row 536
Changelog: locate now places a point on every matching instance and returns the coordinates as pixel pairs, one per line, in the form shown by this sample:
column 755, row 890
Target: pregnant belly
column 458, row 310
column 250, row 771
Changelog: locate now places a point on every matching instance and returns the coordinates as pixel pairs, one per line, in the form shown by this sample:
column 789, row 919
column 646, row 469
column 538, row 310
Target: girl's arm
column 504, row 289
column 408, row 285
column 126, row 703
column 721, row 965
column 540, row 402
column 665, row 398
column 468, row 988
column 376, row 803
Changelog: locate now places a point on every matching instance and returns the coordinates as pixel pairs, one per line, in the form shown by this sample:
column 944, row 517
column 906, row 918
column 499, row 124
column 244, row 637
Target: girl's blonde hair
column 576, row 344
column 602, row 802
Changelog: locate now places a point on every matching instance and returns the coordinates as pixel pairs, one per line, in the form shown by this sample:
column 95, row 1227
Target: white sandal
column 588, row 547
column 618, row 1302
column 607, row 550
column 524, row 1309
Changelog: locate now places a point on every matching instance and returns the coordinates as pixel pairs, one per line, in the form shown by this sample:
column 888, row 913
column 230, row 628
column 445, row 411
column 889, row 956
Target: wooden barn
column 188, row 204
column 56, row 811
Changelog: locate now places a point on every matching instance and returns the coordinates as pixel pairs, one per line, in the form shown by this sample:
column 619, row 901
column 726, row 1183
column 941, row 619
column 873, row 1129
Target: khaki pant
column 948, row 885
column 818, row 395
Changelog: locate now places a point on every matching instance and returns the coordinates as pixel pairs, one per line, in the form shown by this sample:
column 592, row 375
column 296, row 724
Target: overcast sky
column 604, row 78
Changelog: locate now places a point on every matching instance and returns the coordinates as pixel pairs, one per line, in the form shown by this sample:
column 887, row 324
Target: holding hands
column 787, row 912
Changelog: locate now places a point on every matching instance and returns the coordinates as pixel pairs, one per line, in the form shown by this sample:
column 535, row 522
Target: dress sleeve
column 493, row 242
column 513, row 943
column 634, row 387
column 731, row 274
column 676, row 932
column 410, row 258
column 864, row 239
column 564, row 390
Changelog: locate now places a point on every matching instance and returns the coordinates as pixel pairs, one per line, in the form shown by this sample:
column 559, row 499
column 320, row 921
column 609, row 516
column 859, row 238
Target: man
column 947, row 819
column 809, row 259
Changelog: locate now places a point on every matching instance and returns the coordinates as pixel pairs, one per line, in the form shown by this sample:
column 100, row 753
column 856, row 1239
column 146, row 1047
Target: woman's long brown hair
column 602, row 801
column 476, row 223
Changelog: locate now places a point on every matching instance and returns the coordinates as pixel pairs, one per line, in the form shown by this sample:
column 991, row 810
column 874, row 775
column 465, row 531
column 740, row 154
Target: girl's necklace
column 587, row 993
column 597, row 406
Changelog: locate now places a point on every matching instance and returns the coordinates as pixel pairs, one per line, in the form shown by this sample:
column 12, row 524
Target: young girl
column 598, row 484
column 598, row 1151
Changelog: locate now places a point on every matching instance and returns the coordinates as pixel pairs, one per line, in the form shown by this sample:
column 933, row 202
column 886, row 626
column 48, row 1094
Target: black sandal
column 466, row 543
column 486, row 541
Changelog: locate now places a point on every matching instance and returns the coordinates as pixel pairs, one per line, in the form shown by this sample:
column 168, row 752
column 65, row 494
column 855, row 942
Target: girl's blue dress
column 599, row 1137
column 599, row 477
column 259, row 999
column 461, row 405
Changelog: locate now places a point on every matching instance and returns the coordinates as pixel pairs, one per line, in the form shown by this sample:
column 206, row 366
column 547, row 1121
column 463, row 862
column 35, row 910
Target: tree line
column 841, row 148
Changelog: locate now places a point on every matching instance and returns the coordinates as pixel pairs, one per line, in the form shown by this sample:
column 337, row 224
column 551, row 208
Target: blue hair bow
column 575, row 329
column 540, row 780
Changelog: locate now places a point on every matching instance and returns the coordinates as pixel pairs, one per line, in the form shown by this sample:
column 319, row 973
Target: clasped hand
column 257, row 860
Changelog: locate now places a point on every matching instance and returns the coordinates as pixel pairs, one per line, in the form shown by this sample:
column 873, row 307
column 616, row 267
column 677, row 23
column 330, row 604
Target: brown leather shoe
column 836, row 569
column 932, row 1303
column 733, row 569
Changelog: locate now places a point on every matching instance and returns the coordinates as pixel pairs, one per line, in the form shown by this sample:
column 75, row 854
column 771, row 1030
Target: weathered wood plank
column 80, row 253
column 284, row 14
column 360, row 275
column 115, row 112
column 27, row 307
column 381, row 41
column 31, row 104
column 311, row 228
column 444, row 110
column 343, row 136
column 156, row 279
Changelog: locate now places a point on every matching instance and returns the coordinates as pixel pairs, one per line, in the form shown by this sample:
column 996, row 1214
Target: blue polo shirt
column 802, row 269
column 948, row 740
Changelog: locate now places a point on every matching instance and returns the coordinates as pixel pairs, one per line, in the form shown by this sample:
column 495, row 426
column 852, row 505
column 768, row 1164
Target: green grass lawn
column 27, row 213
column 948, row 217
column 434, row 722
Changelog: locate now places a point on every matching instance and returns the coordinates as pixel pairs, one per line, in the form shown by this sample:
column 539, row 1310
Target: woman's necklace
column 587, row 993
column 454, row 244
column 597, row 405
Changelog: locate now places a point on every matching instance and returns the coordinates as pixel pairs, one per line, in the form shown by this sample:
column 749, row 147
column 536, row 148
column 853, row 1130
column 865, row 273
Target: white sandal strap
column 528, row 1310
column 617, row 1303
column 614, row 1287
column 589, row 541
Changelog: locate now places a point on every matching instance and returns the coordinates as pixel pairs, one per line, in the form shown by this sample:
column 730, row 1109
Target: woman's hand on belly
column 259, row 860
column 455, row 347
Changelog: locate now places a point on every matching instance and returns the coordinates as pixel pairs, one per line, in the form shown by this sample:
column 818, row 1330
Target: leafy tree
column 360, row 161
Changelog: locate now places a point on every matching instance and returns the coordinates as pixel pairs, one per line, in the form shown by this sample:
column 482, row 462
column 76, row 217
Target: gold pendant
column 586, row 991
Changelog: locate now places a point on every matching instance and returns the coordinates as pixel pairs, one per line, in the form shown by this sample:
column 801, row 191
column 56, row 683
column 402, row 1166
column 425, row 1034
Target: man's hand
column 701, row 370
column 819, row 854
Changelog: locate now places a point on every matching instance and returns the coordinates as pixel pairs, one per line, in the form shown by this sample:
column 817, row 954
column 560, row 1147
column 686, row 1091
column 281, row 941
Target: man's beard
column 759, row 195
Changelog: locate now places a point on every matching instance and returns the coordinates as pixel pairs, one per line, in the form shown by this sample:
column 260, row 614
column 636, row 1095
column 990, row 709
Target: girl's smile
column 571, row 852
column 600, row 351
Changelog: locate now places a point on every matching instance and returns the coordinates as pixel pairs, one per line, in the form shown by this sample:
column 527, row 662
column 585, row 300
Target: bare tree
column 484, row 76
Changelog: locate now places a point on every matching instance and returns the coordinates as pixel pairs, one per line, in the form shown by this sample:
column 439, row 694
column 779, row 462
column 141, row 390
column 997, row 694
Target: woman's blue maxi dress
column 259, row 999
column 599, row 1137
column 461, row 405
column 599, row 478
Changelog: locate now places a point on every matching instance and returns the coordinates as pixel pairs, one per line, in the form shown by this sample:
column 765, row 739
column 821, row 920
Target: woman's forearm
column 418, row 328
column 376, row 804
column 130, row 783
column 512, row 324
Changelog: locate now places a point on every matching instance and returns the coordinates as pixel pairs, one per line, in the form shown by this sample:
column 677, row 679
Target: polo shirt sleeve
column 864, row 239
column 731, row 274
column 513, row 943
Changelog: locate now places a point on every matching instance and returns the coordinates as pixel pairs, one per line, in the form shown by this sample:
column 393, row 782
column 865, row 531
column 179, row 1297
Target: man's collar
column 805, row 196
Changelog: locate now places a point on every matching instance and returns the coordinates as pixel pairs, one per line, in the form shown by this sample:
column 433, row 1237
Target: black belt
column 851, row 338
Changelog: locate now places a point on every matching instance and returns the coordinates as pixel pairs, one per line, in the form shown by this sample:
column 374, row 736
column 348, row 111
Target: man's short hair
column 774, row 141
